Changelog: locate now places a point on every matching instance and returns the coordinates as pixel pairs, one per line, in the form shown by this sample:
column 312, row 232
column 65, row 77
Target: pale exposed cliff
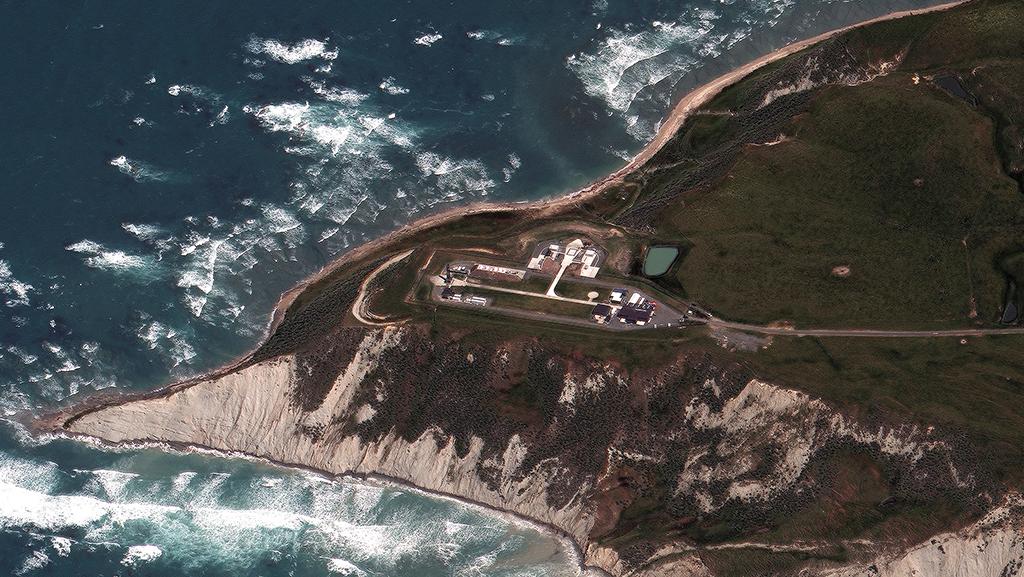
column 713, row 444
column 994, row 546
column 251, row 411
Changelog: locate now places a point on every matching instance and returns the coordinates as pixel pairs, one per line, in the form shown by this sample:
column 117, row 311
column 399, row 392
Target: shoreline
column 573, row 549
column 55, row 422
column 672, row 122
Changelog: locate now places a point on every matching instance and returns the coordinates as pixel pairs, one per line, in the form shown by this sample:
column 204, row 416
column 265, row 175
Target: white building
column 576, row 252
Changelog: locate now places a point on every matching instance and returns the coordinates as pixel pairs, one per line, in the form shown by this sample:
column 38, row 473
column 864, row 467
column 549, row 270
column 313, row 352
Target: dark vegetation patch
column 468, row 388
column 707, row 146
column 387, row 292
column 318, row 366
column 760, row 562
column 316, row 313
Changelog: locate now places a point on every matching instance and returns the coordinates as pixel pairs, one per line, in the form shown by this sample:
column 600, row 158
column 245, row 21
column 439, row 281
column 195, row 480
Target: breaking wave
column 390, row 86
column 428, row 39
column 100, row 257
column 15, row 291
column 241, row 518
column 292, row 53
column 630, row 64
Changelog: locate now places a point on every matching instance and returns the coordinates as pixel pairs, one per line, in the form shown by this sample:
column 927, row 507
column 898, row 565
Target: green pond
column 659, row 259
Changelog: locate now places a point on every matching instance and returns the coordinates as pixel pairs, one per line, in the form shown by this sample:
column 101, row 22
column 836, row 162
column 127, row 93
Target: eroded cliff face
column 252, row 411
column 992, row 546
column 638, row 466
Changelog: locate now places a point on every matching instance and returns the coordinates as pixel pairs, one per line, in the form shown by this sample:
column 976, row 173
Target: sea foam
column 15, row 290
column 292, row 53
column 390, row 86
column 428, row 39
column 141, row 554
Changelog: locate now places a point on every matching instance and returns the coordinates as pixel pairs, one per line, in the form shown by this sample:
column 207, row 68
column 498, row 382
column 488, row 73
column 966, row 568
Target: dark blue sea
column 169, row 168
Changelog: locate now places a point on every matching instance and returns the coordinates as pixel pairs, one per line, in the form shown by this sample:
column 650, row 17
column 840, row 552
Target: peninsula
column 783, row 340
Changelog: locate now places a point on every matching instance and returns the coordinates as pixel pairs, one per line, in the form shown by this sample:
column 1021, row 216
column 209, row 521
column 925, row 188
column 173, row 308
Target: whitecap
column 428, row 39
column 140, row 554
column 15, row 290
column 221, row 118
column 61, row 545
column 454, row 178
column 21, row 506
column 138, row 170
column 200, row 277
column 344, row 567
column 292, row 53
column 328, row 233
column 626, row 63
column 100, row 257
column 182, row 481
column 332, row 136
column 288, row 116
column 32, row 474
column 37, row 560
column 193, row 241
column 178, row 89
column 113, row 483
column 148, row 233
column 66, row 363
column 390, row 86
column 22, row 355
column 337, row 94
column 492, row 36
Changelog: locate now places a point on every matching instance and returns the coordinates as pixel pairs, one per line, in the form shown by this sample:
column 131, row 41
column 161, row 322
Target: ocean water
column 171, row 168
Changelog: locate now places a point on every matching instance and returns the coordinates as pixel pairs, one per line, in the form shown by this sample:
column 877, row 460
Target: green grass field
column 532, row 304
column 899, row 181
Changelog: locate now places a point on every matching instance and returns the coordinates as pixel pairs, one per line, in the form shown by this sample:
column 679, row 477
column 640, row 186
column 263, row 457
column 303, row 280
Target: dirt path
column 359, row 305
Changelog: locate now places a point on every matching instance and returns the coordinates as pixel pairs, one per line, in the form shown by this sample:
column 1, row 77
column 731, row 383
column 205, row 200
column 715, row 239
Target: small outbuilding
column 602, row 313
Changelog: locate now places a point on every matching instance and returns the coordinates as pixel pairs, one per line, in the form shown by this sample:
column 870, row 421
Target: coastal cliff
column 709, row 443
column 252, row 411
column 682, row 450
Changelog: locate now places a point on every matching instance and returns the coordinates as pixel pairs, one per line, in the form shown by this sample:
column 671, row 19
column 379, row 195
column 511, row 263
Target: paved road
column 665, row 316
column 870, row 333
column 668, row 317
column 554, row 297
